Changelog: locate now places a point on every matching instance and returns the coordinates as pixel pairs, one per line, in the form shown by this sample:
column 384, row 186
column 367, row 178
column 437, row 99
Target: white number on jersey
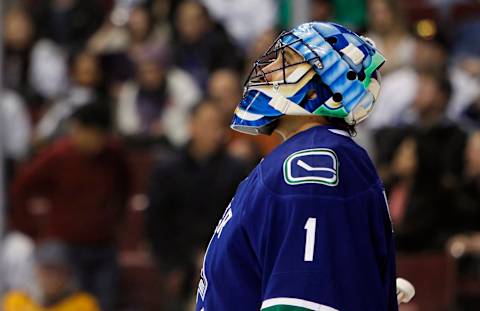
column 310, row 227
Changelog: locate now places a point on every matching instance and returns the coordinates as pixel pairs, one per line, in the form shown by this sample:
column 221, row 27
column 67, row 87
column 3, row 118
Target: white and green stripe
column 293, row 304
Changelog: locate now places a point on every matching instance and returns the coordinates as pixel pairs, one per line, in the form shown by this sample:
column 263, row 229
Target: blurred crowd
column 111, row 108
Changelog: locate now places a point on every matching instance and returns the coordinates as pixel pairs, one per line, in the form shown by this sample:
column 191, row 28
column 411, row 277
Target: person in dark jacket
column 188, row 193
column 75, row 191
column 201, row 46
column 422, row 166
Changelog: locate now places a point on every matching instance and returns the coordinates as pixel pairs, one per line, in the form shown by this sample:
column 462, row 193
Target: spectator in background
column 466, row 30
column 63, row 27
column 68, row 23
column 422, row 168
column 15, row 128
column 241, row 21
column 464, row 69
column 465, row 245
column 18, row 41
column 48, row 74
column 76, row 191
column 470, row 117
column 113, row 37
column 200, row 45
column 58, row 291
column 321, row 10
column 156, row 104
column 387, row 27
column 469, row 197
column 188, row 193
column 121, row 45
column 17, row 264
column 431, row 54
column 144, row 32
column 465, row 77
column 225, row 87
column 85, row 86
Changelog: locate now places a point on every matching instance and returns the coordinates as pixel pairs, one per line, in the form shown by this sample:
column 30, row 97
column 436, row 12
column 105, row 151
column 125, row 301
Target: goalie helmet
column 335, row 65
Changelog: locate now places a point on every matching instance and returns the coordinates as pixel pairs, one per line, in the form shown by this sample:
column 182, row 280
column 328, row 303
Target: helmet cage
column 258, row 76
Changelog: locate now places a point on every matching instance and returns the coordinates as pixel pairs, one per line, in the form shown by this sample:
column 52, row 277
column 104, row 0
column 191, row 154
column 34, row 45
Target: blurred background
column 117, row 160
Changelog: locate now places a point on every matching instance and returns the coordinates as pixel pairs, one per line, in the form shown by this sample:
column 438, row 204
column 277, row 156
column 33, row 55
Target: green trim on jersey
column 285, row 308
column 293, row 304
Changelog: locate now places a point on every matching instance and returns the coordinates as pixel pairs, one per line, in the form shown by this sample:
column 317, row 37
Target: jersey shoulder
column 316, row 162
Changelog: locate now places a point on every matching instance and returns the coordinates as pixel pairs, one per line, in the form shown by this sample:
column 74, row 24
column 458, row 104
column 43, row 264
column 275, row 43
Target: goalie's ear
column 311, row 95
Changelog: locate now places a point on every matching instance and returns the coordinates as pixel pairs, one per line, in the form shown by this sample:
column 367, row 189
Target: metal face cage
column 277, row 52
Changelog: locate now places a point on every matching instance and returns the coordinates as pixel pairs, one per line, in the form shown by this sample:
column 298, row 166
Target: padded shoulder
column 318, row 162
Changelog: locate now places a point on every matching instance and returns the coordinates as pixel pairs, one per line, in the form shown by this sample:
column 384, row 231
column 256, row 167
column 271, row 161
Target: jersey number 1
column 310, row 227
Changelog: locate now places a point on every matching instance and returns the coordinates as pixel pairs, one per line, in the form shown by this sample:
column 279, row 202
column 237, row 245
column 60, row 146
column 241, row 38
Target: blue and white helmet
column 337, row 65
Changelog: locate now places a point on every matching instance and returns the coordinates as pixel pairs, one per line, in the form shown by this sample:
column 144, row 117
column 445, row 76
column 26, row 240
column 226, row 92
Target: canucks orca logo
column 317, row 166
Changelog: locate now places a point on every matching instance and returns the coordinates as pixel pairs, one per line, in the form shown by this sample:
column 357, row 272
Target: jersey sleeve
column 323, row 253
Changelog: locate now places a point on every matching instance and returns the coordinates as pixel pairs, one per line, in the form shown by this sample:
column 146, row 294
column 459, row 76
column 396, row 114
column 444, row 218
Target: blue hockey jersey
column 309, row 229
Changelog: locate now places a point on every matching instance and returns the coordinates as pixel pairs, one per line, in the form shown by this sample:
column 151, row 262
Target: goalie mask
column 317, row 68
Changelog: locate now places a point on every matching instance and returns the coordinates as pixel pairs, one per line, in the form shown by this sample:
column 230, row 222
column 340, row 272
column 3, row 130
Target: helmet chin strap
column 286, row 106
column 281, row 134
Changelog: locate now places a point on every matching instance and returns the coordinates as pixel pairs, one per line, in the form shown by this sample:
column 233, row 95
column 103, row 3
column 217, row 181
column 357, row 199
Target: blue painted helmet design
column 336, row 65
